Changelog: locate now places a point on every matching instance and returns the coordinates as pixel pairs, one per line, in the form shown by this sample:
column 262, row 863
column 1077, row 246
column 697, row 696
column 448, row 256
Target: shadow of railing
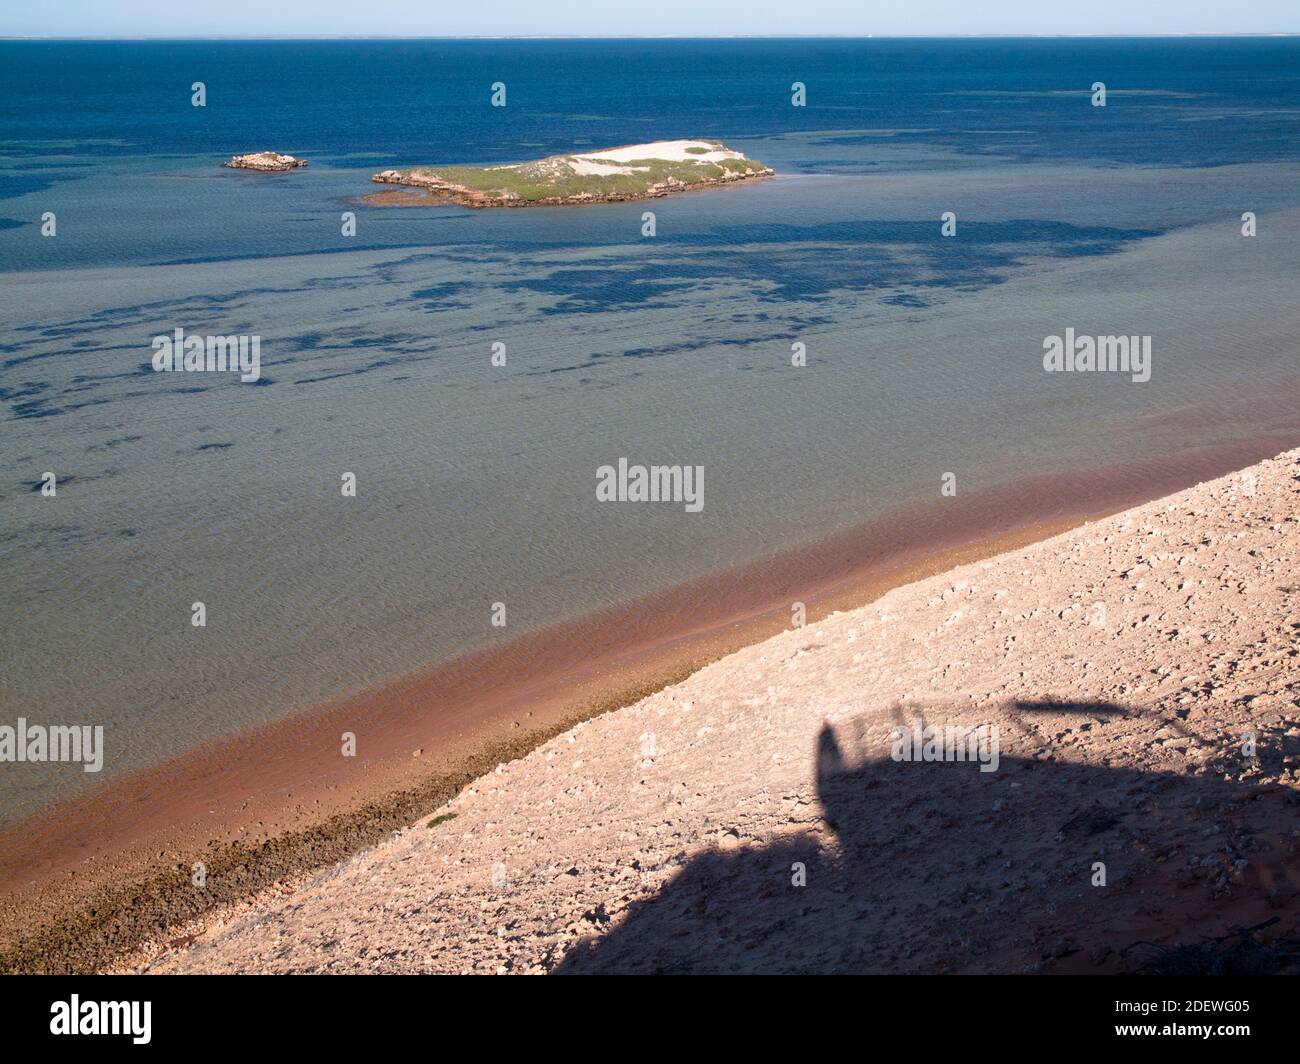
column 937, row 866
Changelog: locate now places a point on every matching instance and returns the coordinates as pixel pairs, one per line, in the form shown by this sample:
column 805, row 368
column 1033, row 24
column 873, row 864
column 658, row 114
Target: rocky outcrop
column 265, row 160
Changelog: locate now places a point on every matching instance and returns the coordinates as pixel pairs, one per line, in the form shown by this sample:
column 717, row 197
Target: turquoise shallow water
column 476, row 482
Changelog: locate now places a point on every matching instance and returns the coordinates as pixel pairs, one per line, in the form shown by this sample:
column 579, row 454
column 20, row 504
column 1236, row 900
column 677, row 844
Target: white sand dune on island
column 615, row 160
column 673, row 151
column 751, row 818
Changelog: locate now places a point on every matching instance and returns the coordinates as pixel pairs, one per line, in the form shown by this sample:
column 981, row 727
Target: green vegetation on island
column 634, row 172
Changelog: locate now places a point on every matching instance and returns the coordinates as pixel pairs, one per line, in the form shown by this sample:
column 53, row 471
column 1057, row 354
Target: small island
column 613, row 175
column 265, row 160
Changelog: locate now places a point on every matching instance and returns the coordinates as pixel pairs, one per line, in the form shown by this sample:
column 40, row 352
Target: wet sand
column 110, row 870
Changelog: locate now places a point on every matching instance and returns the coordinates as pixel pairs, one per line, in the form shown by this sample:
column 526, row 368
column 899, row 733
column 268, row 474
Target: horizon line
column 654, row 36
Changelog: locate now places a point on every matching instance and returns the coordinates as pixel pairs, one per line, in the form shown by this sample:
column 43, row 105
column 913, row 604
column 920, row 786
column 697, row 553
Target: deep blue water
column 69, row 111
column 1180, row 102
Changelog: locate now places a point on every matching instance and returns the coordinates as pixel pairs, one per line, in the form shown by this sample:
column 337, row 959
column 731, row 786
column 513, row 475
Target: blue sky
column 432, row 18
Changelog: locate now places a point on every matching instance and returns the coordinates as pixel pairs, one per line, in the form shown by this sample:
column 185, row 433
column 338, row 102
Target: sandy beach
column 109, row 874
column 1139, row 670
column 110, row 871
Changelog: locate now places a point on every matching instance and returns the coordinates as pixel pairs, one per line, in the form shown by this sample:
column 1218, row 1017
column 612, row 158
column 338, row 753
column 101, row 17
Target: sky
column 607, row 18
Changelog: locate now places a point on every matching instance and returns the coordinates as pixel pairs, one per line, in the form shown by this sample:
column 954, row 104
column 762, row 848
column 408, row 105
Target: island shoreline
column 442, row 194
column 432, row 196
column 629, row 173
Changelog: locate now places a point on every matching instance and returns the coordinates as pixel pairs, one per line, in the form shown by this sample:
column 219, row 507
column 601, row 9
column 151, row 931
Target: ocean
column 475, row 482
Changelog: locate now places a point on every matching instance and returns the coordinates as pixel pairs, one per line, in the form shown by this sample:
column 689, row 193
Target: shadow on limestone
column 938, row 867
